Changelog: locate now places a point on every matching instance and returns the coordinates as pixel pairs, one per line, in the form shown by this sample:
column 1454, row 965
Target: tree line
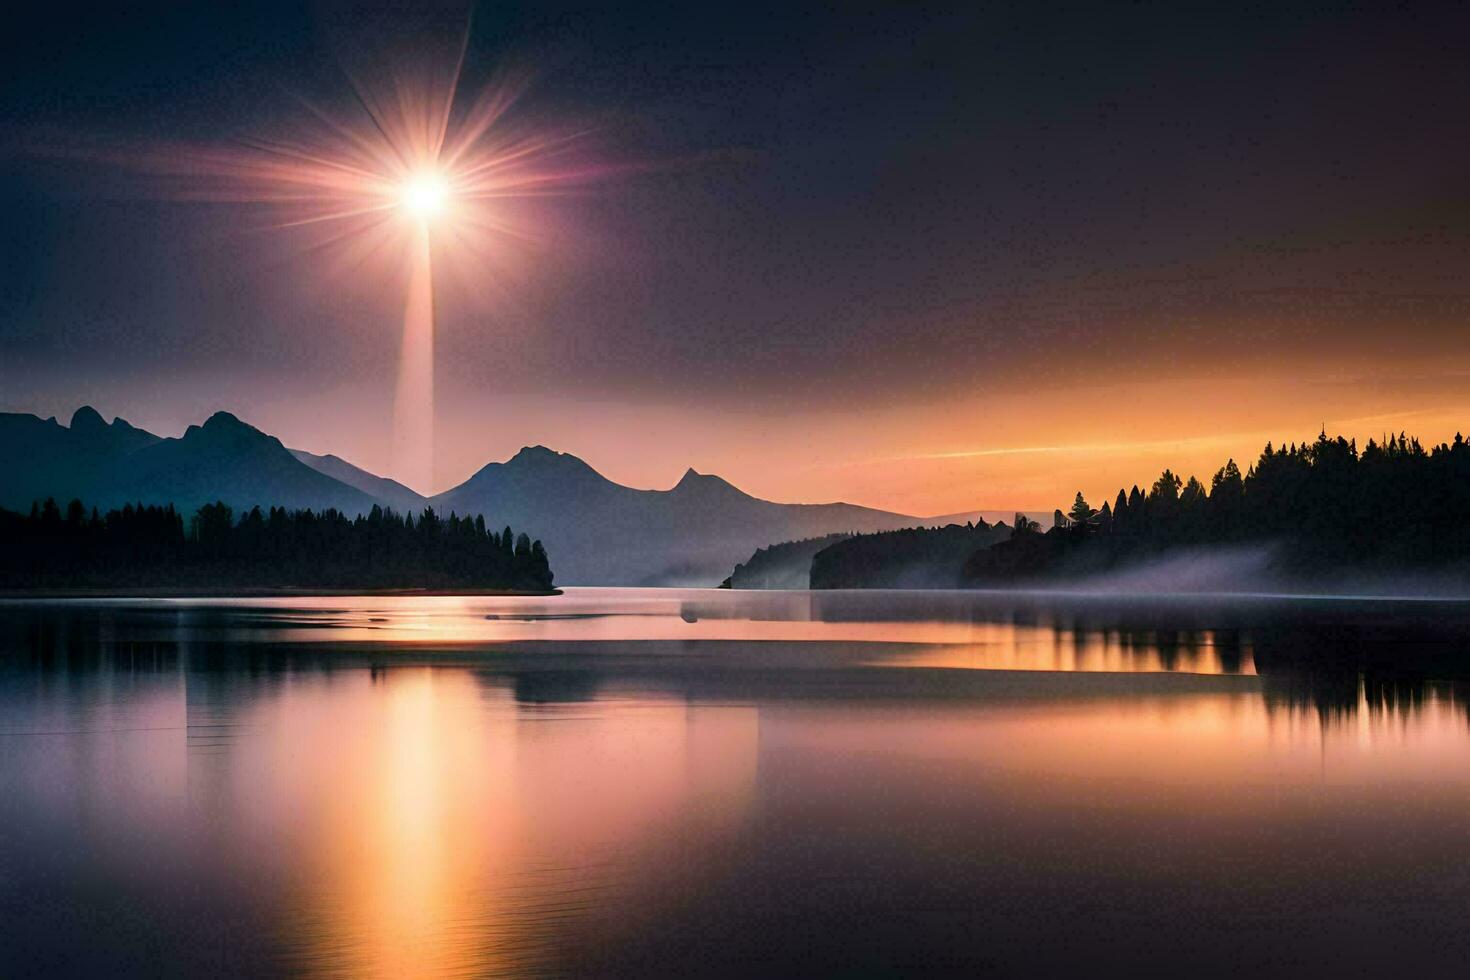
column 785, row 565
column 1394, row 505
column 155, row 546
column 909, row 558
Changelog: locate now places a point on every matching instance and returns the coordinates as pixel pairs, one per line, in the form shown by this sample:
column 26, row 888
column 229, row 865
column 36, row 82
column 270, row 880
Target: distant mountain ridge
column 602, row 532
column 596, row 531
column 112, row 465
column 390, row 493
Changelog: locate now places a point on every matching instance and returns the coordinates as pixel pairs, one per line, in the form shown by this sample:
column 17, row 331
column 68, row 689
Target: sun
column 424, row 195
column 412, row 176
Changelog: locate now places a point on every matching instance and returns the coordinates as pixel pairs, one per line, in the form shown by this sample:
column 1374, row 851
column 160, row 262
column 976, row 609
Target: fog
column 1249, row 568
column 1261, row 569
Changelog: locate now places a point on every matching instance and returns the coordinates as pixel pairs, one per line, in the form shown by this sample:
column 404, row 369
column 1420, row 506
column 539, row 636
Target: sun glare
column 412, row 158
column 425, row 196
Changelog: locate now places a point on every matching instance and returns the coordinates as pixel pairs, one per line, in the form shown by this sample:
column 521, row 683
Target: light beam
column 413, row 398
column 418, row 175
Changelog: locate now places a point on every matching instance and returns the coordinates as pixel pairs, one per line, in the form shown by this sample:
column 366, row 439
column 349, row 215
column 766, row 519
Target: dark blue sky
column 835, row 207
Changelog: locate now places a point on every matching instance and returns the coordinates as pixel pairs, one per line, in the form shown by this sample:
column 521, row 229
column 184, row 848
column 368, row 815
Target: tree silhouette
column 148, row 546
column 1081, row 515
column 1396, row 505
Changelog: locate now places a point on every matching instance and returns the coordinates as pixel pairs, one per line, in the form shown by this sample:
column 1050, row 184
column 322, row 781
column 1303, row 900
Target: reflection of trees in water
column 76, row 642
column 1168, row 643
column 1194, row 650
column 223, row 672
column 1337, row 698
column 532, row 687
column 97, row 644
column 1402, row 696
column 1389, row 671
column 1337, row 660
column 1229, row 649
column 1333, row 697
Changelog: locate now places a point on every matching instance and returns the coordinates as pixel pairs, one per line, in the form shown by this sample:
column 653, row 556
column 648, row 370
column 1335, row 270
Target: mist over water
column 619, row 782
column 1233, row 569
column 1253, row 570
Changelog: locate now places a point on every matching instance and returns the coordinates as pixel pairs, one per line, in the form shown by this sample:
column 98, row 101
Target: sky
column 928, row 260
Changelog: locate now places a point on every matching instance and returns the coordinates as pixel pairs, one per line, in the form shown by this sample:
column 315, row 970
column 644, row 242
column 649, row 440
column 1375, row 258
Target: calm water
column 633, row 782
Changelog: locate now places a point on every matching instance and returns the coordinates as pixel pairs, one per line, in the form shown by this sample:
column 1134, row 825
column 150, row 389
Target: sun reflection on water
column 517, row 791
column 442, row 830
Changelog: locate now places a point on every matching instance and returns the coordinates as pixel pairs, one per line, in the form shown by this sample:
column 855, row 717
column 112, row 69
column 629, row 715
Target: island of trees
column 1329, row 509
column 908, row 558
column 786, row 565
column 911, row 558
column 155, row 547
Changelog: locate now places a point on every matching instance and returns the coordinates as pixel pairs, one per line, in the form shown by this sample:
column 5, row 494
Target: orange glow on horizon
column 1000, row 450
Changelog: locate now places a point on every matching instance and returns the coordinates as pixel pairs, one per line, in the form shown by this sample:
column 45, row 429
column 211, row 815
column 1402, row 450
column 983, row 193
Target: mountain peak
column 540, row 460
column 694, row 481
column 534, row 470
column 536, row 454
column 87, row 419
column 223, row 420
column 226, row 431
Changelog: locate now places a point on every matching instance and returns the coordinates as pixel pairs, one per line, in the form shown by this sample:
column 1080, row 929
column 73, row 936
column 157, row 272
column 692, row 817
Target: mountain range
column 596, row 531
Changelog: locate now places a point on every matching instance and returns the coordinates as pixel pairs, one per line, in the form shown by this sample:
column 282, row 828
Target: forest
column 156, row 547
column 911, row 558
column 1327, row 506
column 786, row 565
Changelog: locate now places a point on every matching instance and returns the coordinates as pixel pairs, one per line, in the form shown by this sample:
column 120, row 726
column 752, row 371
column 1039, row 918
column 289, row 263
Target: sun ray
column 416, row 170
column 334, row 216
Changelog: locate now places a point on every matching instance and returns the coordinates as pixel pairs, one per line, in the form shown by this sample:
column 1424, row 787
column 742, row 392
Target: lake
column 636, row 782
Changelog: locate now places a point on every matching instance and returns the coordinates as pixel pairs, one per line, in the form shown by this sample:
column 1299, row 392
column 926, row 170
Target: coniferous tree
column 1397, row 504
column 147, row 546
column 1081, row 514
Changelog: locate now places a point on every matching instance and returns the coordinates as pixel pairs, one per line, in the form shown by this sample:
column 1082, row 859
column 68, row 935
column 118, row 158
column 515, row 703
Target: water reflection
column 814, row 628
column 633, row 782
column 452, row 833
